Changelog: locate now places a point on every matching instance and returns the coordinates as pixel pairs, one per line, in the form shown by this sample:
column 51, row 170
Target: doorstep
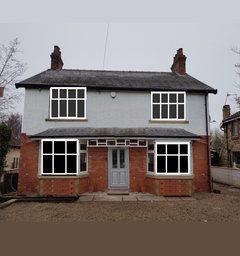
column 132, row 197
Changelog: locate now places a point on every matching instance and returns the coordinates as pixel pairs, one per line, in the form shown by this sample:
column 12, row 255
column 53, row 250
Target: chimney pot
column 226, row 111
column 56, row 59
column 179, row 62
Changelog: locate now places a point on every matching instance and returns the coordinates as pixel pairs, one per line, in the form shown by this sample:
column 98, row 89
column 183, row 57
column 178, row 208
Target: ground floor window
column 172, row 158
column 62, row 157
column 166, row 158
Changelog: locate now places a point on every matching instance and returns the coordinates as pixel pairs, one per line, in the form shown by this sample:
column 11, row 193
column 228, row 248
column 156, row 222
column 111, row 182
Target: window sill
column 45, row 177
column 169, row 121
column 65, row 120
column 170, row 177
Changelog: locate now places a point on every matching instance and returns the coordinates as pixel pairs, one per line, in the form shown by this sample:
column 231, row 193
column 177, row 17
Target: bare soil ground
column 224, row 207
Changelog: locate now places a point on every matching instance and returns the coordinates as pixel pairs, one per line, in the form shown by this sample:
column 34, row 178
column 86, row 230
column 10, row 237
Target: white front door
column 118, row 168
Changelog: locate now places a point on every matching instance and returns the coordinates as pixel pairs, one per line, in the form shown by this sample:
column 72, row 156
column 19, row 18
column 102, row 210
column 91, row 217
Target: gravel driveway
column 224, row 207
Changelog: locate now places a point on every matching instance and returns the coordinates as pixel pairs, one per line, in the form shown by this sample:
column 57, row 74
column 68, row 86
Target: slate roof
column 231, row 118
column 130, row 80
column 115, row 132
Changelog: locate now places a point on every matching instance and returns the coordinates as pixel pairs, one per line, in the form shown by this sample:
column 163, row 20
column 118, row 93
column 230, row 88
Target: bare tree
column 14, row 122
column 218, row 143
column 10, row 69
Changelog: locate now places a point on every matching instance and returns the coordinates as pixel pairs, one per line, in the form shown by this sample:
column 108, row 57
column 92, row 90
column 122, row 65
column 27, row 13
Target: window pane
column 150, row 162
column 72, row 108
column 114, row 158
column 59, row 147
column 150, row 146
column 173, row 97
column 156, row 98
column 63, row 108
column 180, row 98
column 71, row 164
column 183, row 164
column 164, row 111
column 80, row 108
column 181, row 111
column 173, row 111
column 111, row 142
column 156, row 111
column 83, row 162
column 172, row 149
column 83, row 147
column 59, row 164
column 63, row 93
column 71, row 93
column 80, row 93
column 54, row 108
column 47, row 164
column 164, row 98
column 183, row 149
column 122, row 158
column 55, row 93
column 172, row 164
column 161, row 149
column 161, row 164
column 71, row 147
column 47, row 147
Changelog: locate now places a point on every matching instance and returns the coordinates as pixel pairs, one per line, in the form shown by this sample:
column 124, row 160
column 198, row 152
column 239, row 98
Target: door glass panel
column 122, row 158
column 114, row 158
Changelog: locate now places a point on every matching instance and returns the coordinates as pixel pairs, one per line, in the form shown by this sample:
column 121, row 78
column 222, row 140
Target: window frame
column 166, row 155
column 168, row 104
column 65, row 154
column 67, row 99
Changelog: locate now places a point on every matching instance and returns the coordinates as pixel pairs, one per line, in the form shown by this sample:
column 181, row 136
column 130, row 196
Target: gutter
column 208, row 144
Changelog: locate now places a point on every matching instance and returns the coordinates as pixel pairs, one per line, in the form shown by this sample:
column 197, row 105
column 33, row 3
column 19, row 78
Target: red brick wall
column 28, row 169
column 201, row 166
column 30, row 184
column 58, row 187
column 137, row 168
column 98, row 168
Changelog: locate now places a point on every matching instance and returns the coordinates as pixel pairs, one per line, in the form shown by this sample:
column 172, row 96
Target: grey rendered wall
column 128, row 109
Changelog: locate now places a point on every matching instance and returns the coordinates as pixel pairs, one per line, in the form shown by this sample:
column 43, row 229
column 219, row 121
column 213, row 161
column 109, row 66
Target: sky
column 143, row 35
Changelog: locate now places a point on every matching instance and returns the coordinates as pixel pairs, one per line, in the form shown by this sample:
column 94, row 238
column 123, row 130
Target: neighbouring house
column 99, row 130
column 12, row 158
column 230, row 125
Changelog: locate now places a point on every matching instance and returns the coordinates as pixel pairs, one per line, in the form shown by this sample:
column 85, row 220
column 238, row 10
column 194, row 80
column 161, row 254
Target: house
column 97, row 130
column 230, row 125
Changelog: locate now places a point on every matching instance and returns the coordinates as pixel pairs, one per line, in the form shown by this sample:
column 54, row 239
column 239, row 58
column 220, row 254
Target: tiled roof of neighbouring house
column 115, row 132
column 130, row 80
column 231, row 118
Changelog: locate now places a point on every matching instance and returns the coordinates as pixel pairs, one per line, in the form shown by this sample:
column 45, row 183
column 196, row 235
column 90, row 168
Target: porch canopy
column 89, row 133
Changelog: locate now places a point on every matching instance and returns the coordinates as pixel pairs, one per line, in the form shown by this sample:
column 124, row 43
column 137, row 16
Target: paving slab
column 129, row 198
column 85, row 198
column 107, row 198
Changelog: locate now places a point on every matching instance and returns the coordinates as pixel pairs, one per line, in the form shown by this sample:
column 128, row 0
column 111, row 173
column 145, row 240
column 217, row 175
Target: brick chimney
column 179, row 62
column 1, row 91
column 56, row 60
column 226, row 111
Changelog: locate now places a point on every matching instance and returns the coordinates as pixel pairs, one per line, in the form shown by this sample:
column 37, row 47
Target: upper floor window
column 68, row 103
column 235, row 129
column 168, row 105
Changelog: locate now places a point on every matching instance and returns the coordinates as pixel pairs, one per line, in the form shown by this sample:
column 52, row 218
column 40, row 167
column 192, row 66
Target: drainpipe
column 208, row 144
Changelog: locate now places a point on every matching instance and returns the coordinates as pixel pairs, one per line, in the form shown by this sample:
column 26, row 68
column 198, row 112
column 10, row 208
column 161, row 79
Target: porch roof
column 115, row 132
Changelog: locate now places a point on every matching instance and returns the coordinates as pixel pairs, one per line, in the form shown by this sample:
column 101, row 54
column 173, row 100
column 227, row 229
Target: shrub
column 5, row 136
